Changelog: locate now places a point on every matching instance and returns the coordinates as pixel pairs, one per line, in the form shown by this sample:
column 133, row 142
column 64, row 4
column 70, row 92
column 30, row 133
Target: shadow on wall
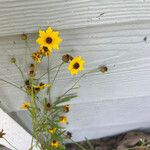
column 2, row 147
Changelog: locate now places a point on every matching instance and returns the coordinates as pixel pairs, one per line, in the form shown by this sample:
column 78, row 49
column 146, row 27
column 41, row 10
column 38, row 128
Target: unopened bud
column 103, row 69
column 24, row 37
column 13, row 60
column 65, row 58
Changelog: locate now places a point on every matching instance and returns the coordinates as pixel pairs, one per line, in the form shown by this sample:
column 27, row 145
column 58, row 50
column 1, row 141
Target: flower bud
column 24, row 37
column 69, row 135
column 13, row 60
column 103, row 69
column 47, row 106
column 66, row 58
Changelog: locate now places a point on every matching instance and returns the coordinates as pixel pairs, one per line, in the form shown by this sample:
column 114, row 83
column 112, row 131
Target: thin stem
column 47, row 72
column 57, row 73
column 27, row 46
column 78, row 145
column 31, row 143
column 10, row 143
column 73, row 85
column 92, row 71
column 48, row 90
column 18, row 67
column 12, row 84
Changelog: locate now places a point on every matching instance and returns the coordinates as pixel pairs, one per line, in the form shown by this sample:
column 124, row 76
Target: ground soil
column 126, row 141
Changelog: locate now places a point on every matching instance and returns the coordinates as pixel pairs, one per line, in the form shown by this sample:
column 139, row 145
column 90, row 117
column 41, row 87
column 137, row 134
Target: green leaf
column 89, row 144
column 65, row 98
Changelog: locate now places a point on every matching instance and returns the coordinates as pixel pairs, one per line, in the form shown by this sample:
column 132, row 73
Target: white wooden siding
column 15, row 134
column 107, row 33
column 17, row 16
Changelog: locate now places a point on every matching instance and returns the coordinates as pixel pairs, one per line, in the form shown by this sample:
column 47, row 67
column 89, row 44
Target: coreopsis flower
column 52, row 130
column 41, row 86
column 66, row 108
column 63, row 119
column 2, row 133
column 76, row 65
column 36, row 56
column 25, row 105
column 55, row 144
column 45, row 51
column 49, row 39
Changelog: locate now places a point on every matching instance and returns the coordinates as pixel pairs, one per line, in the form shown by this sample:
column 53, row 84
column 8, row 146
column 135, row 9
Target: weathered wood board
column 112, row 33
column 15, row 134
column 17, row 16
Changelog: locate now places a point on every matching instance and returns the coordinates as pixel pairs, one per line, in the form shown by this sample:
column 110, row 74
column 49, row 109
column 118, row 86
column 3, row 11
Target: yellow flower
column 45, row 51
column 36, row 57
column 25, row 105
column 76, row 64
column 55, row 144
column 41, row 86
column 63, row 119
column 52, row 130
column 66, row 108
column 49, row 39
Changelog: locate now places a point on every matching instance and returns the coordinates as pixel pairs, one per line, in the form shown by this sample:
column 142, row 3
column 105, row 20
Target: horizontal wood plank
column 121, row 48
column 102, row 118
column 15, row 134
column 28, row 16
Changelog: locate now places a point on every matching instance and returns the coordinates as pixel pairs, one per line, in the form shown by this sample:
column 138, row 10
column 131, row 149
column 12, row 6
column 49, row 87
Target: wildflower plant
column 49, row 118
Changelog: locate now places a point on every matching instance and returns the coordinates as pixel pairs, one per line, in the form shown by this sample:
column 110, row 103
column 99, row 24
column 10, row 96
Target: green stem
column 10, row 143
column 78, row 145
column 57, row 73
column 18, row 67
column 73, row 85
column 12, row 84
column 27, row 46
column 48, row 79
column 47, row 72
column 92, row 71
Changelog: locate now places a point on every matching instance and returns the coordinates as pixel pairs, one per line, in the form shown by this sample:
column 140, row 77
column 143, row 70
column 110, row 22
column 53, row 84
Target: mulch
column 127, row 141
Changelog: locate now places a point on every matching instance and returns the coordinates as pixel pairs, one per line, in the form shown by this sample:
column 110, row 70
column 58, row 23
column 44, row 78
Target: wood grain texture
column 102, row 118
column 122, row 48
column 18, row 16
column 15, row 134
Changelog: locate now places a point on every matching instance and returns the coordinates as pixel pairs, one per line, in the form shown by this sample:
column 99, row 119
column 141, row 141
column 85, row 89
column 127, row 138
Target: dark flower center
column 49, row 40
column 54, row 141
column 27, row 82
column 45, row 49
column 26, row 106
column 41, row 84
column 48, row 105
column 76, row 66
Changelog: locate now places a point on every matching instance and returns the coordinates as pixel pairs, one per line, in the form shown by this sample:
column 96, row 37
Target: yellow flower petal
column 39, row 41
column 55, row 144
column 49, row 38
column 49, row 30
column 41, row 33
column 63, row 119
column 25, row 105
column 76, row 65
